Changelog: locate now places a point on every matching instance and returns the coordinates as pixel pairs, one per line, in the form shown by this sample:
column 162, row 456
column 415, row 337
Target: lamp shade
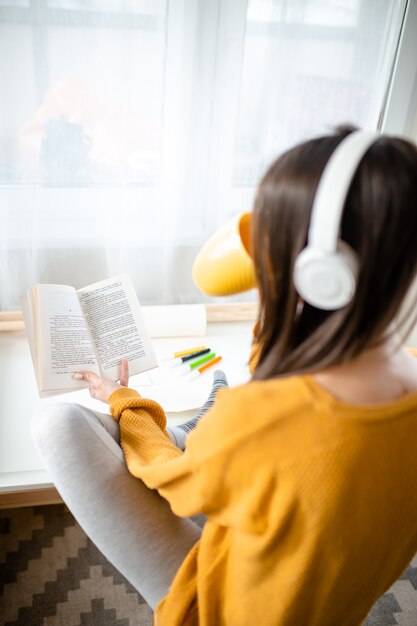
column 224, row 266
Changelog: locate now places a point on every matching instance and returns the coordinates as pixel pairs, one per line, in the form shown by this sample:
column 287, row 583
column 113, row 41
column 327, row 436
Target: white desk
column 23, row 478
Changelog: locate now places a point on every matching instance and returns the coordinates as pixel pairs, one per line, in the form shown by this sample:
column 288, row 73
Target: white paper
column 174, row 392
column 175, row 320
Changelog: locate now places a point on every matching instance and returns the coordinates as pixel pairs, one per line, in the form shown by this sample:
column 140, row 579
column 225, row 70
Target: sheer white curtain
column 131, row 129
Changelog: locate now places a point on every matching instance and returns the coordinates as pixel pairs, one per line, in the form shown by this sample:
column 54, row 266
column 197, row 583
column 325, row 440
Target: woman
column 307, row 473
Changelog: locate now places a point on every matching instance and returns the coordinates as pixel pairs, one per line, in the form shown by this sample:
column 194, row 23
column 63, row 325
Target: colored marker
column 189, row 357
column 189, row 367
column 196, row 373
column 177, row 355
column 189, row 351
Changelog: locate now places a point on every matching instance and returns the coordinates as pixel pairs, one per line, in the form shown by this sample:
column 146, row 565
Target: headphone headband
column 333, row 188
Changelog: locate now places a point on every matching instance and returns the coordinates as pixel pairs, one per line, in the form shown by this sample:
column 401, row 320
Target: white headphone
column 325, row 272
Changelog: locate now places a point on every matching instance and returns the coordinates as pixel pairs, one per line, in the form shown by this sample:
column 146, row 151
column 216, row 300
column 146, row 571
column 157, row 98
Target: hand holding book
column 102, row 388
column 91, row 329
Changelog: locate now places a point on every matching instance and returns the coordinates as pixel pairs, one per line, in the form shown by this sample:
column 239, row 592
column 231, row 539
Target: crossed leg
column 133, row 526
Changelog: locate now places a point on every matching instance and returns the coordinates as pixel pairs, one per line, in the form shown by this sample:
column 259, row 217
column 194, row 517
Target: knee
column 51, row 418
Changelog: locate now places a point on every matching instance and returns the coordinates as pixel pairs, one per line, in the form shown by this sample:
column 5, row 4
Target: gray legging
column 132, row 525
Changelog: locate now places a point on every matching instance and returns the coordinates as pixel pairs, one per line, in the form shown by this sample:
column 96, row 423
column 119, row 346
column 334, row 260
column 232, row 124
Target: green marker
column 189, row 367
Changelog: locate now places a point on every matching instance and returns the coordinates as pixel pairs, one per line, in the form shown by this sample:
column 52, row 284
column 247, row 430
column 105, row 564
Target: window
column 131, row 129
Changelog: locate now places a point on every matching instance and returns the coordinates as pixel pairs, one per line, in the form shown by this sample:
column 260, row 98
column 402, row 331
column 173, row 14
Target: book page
column 113, row 315
column 28, row 317
column 62, row 339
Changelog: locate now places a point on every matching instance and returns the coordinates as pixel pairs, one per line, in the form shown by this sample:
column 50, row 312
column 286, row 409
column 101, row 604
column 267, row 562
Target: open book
column 93, row 328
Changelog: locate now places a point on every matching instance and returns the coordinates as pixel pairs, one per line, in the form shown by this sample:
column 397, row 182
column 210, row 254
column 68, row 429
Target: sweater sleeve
column 152, row 456
column 209, row 476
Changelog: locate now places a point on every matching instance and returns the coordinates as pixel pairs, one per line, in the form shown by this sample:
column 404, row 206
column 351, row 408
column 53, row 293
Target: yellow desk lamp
column 224, row 266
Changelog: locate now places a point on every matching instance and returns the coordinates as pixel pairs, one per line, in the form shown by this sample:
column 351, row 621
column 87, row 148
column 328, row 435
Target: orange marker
column 196, row 373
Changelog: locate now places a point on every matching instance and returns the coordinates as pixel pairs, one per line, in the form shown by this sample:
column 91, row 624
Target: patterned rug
column 51, row 574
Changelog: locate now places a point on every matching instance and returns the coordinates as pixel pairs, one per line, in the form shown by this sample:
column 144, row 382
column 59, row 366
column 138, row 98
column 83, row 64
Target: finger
column 88, row 376
column 92, row 391
column 124, row 376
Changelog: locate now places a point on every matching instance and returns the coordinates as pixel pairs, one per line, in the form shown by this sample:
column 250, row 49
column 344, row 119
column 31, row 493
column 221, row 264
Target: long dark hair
column 380, row 224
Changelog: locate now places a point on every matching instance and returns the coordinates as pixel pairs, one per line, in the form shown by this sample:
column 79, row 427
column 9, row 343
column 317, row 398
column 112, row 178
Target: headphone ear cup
column 326, row 280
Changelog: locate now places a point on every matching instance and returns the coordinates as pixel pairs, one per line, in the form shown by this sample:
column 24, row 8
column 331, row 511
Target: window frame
column 400, row 107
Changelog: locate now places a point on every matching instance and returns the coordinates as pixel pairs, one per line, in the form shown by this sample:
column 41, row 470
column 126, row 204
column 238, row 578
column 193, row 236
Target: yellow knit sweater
column 311, row 502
